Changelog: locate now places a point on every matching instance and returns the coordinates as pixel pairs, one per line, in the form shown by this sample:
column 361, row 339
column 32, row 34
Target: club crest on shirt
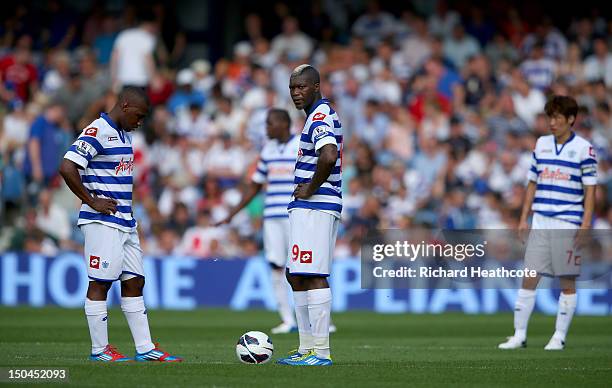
column 571, row 153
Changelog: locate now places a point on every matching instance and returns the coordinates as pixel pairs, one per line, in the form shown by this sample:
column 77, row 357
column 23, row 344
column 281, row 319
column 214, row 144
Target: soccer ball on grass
column 254, row 347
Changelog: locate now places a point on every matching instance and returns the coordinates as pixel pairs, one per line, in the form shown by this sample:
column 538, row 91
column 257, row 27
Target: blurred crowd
column 440, row 107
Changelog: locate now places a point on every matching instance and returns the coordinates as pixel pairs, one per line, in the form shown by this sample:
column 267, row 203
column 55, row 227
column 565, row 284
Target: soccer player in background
column 98, row 169
column 275, row 170
column 561, row 194
column 314, row 216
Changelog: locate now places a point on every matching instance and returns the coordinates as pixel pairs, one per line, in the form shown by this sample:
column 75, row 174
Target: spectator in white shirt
column 225, row 159
column 417, row 47
column 528, row 101
column 599, row 65
column 202, row 240
column 292, row 43
column 460, row 46
column 51, row 218
column 132, row 62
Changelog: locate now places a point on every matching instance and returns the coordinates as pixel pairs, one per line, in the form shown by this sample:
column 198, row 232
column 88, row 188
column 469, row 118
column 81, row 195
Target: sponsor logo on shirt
column 306, row 257
column 319, row 117
column 91, row 132
column 556, row 175
column 94, row 262
column 124, row 165
column 113, row 138
column 547, row 151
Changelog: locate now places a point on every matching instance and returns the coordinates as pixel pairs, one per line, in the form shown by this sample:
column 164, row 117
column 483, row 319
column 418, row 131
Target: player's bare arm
column 70, row 173
column 589, row 206
column 247, row 194
column 529, row 195
column 582, row 235
column 326, row 162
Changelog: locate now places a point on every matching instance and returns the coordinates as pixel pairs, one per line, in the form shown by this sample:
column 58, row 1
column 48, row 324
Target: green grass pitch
column 368, row 350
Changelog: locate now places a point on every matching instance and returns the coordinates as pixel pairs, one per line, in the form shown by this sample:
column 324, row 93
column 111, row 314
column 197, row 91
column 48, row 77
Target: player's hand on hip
column 104, row 205
column 302, row 191
column 523, row 229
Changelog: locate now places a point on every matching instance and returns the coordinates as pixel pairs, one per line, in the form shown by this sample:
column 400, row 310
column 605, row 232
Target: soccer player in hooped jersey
column 275, row 170
column 314, row 216
column 561, row 194
column 98, row 169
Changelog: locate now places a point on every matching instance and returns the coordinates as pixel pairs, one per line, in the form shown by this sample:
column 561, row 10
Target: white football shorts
column 276, row 240
column 550, row 247
column 313, row 239
column 111, row 254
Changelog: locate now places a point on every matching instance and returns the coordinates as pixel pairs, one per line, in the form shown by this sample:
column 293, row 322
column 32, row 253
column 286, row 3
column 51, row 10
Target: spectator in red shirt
column 427, row 92
column 18, row 75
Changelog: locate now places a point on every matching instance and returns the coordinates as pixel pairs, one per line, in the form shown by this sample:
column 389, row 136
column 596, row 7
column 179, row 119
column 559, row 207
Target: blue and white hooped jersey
column 275, row 169
column 560, row 172
column 105, row 154
column 322, row 127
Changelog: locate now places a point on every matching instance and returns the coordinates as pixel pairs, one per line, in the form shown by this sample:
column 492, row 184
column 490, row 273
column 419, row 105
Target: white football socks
column 319, row 311
column 97, row 320
column 522, row 311
column 300, row 300
column 565, row 312
column 279, row 285
column 136, row 314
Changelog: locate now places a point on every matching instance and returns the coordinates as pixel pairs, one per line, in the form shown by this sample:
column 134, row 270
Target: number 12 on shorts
column 304, row 256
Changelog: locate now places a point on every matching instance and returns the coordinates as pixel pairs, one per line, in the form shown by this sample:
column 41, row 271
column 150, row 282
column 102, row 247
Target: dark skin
column 305, row 92
column 276, row 129
column 128, row 114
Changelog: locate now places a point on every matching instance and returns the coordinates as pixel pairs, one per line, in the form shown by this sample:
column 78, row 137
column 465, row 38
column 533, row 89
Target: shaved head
column 131, row 108
column 308, row 72
column 133, row 95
